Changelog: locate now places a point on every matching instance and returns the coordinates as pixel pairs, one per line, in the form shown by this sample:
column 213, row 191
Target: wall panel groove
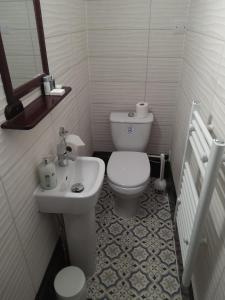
column 134, row 59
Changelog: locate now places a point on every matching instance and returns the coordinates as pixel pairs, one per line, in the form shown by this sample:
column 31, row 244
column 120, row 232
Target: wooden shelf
column 35, row 112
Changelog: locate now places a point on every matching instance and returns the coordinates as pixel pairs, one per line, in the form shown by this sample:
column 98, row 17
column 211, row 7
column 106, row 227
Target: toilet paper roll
column 141, row 109
column 73, row 142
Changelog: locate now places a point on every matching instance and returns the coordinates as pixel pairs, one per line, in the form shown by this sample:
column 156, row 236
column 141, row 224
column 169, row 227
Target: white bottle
column 47, row 174
column 47, row 85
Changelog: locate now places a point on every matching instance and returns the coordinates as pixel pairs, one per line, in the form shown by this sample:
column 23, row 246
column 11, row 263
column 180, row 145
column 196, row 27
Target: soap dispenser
column 47, row 174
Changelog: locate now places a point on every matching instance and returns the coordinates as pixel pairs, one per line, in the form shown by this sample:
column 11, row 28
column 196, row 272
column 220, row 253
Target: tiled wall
column 27, row 237
column 203, row 79
column 135, row 54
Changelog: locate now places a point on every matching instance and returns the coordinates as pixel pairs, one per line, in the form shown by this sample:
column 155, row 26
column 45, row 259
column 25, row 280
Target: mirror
column 23, row 58
column 20, row 40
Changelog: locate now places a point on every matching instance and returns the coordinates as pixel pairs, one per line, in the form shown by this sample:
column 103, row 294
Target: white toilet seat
column 128, row 176
column 128, row 171
column 128, row 191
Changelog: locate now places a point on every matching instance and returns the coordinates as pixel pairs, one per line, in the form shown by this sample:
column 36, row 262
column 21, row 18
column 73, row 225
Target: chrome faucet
column 62, row 149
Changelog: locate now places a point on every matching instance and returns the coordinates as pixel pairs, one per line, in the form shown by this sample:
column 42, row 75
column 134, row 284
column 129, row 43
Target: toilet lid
column 128, row 169
column 69, row 282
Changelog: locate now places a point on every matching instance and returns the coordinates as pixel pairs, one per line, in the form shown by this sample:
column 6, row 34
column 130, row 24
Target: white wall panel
column 165, row 43
column 196, row 88
column 79, row 46
column 60, row 59
column 179, row 134
column 18, row 42
column 77, row 15
column 5, row 216
column 118, row 69
column 25, row 170
column 117, row 92
column 56, row 17
column 163, row 115
column 161, row 93
column 118, row 43
column 14, row 144
column 14, row 276
column 118, row 14
column 160, row 133
column 168, row 14
column 220, row 86
column 164, row 69
column 28, row 220
column 203, row 54
column 80, row 76
column 7, row 14
column 218, row 113
column 85, row 126
column 38, row 252
column 208, row 17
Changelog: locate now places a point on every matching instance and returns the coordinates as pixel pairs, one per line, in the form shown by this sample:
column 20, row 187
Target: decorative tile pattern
column 136, row 257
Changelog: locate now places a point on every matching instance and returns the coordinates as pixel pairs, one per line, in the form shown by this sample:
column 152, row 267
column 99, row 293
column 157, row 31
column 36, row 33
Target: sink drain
column 77, row 188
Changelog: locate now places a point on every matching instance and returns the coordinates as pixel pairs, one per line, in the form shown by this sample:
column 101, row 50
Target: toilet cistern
column 68, row 147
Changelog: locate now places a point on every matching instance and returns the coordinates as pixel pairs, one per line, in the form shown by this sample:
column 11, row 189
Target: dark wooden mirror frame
column 13, row 96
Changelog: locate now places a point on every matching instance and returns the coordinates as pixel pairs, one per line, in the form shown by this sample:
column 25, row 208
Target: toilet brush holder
column 160, row 183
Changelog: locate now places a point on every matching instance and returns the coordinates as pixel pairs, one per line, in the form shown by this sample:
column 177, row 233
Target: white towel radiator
column 192, row 207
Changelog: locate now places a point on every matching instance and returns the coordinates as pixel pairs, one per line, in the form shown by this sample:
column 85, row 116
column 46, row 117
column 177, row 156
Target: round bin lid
column 128, row 169
column 69, row 281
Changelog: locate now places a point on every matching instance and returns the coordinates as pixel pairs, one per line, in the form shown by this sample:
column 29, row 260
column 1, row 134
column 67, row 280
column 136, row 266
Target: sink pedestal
column 81, row 239
column 78, row 209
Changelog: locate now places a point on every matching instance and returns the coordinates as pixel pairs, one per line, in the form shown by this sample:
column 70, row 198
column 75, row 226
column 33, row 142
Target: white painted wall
column 27, row 237
column 203, row 79
column 135, row 55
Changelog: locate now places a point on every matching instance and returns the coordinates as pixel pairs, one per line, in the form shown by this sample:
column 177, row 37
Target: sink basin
column 89, row 171
column 77, row 208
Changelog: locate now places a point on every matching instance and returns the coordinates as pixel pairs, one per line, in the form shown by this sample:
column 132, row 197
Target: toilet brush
column 160, row 183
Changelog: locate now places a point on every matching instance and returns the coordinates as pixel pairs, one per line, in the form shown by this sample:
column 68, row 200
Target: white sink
column 77, row 208
column 86, row 170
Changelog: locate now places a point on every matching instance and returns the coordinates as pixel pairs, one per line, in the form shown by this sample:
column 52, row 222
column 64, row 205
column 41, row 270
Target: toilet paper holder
column 67, row 149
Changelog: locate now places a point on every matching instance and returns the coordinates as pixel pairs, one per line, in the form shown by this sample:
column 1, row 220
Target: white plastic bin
column 70, row 284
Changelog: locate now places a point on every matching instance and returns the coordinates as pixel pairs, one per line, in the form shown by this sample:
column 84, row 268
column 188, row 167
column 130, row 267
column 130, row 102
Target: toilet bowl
column 128, row 176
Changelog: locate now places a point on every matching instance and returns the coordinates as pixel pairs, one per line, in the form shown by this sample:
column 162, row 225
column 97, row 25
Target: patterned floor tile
column 136, row 257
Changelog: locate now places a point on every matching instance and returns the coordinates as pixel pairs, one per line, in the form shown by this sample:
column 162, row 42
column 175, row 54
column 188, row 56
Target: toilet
column 128, row 169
